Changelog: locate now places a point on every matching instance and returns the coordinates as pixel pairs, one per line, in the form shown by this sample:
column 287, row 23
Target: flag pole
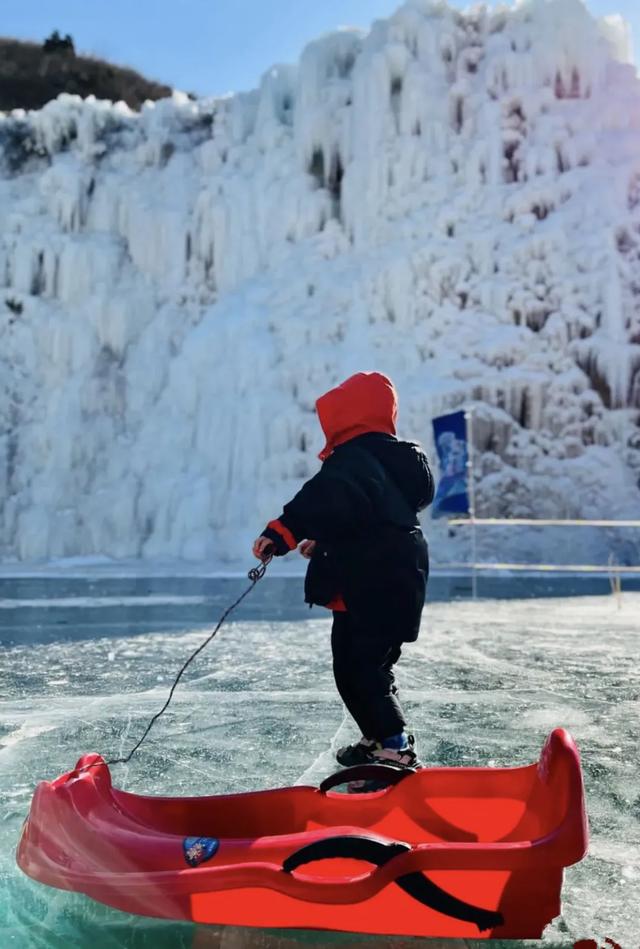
column 471, row 490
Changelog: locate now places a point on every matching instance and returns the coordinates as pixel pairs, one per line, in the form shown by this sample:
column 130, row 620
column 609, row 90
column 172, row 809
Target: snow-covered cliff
column 453, row 199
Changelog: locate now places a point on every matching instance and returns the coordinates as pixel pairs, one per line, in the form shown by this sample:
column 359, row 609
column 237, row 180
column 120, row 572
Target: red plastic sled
column 461, row 852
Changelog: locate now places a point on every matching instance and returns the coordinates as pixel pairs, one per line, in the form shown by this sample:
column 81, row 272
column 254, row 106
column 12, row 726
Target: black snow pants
column 363, row 670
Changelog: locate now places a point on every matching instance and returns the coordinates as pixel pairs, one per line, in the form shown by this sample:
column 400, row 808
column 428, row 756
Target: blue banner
column 450, row 435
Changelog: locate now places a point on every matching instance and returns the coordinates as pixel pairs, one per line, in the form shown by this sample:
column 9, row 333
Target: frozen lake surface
column 85, row 663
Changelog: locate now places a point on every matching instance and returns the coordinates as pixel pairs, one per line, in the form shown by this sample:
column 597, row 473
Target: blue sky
column 210, row 46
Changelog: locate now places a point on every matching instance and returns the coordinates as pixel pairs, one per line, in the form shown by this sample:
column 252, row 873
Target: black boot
column 360, row 753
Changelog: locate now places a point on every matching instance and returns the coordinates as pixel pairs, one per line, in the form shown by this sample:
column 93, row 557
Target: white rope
column 536, row 567
column 609, row 569
column 535, row 522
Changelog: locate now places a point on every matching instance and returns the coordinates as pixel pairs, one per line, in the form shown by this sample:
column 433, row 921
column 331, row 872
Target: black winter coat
column 361, row 509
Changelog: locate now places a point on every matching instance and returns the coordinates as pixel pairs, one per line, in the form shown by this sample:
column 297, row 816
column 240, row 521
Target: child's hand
column 307, row 548
column 262, row 548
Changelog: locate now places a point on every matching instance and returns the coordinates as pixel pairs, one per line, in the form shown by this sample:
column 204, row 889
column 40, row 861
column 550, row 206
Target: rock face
column 32, row 74
column 453, row 199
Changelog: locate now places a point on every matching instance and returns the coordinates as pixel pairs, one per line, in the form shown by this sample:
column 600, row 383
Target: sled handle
column 365, row 772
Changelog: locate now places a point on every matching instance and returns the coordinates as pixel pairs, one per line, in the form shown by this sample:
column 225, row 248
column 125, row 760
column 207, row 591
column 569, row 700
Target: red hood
column 366, row 402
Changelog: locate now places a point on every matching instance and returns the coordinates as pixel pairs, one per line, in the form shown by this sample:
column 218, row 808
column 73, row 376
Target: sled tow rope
column 255, row 575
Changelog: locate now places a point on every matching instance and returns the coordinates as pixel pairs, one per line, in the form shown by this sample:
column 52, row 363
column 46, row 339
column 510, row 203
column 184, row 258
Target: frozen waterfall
column 452, row 198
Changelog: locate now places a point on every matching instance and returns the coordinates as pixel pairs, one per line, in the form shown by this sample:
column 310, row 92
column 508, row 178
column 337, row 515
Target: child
column 369, row 562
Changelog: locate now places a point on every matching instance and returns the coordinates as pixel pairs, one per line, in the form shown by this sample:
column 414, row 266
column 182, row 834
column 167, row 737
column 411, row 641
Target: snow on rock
column 452, row 198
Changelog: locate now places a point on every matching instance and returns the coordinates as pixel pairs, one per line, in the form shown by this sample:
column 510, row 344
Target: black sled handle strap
column 351, row 846
column 366, row 772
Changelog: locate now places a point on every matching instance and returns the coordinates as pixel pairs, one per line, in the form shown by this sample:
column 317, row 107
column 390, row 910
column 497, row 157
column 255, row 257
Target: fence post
column 471, row 490
column 616, row 581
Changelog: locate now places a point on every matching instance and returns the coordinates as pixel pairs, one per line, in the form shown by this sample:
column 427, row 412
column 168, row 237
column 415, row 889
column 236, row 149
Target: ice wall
column 452, row 198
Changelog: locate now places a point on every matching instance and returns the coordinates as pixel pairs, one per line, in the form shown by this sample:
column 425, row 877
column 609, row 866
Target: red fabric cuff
column 337, row 604
column 284, row 532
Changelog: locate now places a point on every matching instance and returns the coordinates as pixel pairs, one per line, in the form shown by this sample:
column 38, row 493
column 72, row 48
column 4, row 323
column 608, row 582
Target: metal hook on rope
column 257, row 573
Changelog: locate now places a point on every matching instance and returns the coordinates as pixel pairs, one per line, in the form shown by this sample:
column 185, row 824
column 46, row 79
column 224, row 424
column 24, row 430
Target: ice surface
column 451, row 198
column 484, row 685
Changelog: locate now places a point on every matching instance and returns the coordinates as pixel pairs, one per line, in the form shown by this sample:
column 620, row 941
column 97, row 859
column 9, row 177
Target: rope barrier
column 535, row 522
column 542, row 567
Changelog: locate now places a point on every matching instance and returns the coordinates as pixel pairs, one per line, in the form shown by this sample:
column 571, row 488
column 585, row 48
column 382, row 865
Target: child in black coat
column 356, row 521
